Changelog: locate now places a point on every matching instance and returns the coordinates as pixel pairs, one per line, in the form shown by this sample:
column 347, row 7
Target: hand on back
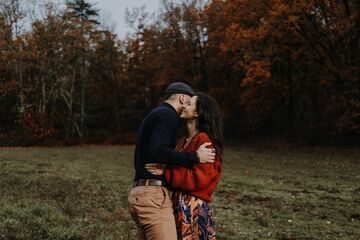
column 205, row 154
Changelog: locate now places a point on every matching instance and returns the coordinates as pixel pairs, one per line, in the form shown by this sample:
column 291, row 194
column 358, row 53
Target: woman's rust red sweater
column 201, row 179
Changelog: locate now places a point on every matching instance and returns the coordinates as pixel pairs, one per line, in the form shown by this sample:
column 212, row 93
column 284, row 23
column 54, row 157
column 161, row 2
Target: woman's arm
column 187, row 179
column 194, row 178
column 191, row 179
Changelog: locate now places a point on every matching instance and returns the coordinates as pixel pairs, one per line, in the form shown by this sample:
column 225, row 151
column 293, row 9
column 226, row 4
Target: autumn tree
column 277, row 68
column 12, row 69
column 288, row 51
column 105, row 69
column 81, row 15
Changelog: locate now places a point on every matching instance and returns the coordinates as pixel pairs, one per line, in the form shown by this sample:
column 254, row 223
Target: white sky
column 113, row 11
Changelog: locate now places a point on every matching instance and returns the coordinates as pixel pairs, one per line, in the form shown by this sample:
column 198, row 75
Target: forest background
column 280, row 69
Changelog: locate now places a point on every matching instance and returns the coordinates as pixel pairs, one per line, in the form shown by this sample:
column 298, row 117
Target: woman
column 194, row 186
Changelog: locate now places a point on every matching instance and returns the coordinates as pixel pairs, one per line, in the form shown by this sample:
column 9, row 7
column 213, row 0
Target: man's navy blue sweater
column 156, row 142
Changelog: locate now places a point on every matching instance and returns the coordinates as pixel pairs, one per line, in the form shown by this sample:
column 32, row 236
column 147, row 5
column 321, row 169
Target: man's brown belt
column 149, row 182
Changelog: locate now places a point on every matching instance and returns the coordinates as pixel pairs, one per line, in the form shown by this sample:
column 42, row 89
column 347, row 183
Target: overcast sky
column 114, row 10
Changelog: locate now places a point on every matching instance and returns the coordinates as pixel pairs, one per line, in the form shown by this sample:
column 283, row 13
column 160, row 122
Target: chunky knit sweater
column 199, row 180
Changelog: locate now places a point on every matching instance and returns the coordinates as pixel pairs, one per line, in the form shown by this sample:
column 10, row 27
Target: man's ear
column 182, row 98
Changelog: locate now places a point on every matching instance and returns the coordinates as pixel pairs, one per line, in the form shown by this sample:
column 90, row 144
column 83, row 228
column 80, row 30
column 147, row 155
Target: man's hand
column 206, row 155
column 155, row 168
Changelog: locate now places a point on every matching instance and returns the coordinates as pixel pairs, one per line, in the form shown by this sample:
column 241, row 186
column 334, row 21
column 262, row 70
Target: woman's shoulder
column 202, row 137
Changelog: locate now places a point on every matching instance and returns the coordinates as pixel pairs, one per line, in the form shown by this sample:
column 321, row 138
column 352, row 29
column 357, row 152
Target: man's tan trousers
column 151, row 208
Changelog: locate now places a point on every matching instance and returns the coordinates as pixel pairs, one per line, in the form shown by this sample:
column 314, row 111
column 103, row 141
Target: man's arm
column 160, row 150
column 159, row 145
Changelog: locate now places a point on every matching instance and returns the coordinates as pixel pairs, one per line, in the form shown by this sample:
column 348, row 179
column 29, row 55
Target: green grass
column 81, row 192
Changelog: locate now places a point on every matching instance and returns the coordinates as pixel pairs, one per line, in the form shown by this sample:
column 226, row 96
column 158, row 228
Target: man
column 149, row 200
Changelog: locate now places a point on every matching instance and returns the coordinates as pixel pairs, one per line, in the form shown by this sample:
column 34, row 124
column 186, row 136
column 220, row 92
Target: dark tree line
column 277, row 68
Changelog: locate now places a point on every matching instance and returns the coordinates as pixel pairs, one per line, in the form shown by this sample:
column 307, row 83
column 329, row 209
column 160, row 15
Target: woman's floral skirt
column 194, row 218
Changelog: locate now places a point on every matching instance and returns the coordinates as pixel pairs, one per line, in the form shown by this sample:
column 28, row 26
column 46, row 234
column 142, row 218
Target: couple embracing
column 175, row 179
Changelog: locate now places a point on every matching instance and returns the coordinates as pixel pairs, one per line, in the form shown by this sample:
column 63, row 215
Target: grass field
column 265, row 193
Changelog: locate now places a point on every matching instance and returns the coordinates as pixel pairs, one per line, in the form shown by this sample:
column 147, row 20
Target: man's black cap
column 180, row 88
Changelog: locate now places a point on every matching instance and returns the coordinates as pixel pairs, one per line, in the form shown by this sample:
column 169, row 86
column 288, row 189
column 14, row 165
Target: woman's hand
column 155, row 168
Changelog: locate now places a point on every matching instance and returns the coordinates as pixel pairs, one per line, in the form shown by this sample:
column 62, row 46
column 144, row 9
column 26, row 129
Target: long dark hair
column 210, row 120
